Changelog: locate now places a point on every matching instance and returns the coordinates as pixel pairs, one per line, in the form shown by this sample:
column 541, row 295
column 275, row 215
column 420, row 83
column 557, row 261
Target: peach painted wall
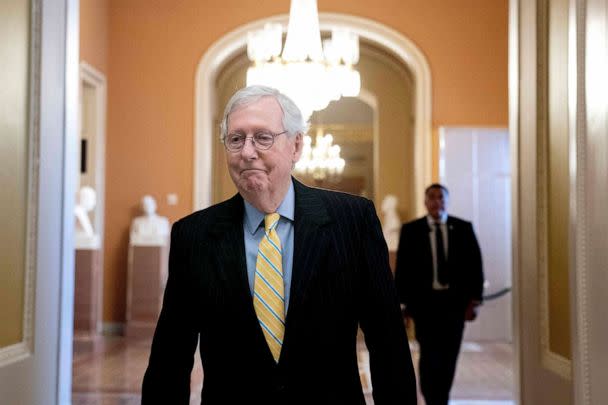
column 94, row 33
column 155, row 46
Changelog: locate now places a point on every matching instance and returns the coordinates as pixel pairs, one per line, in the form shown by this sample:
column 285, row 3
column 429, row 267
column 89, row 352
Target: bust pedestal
column 87, row 291
column 146, row 279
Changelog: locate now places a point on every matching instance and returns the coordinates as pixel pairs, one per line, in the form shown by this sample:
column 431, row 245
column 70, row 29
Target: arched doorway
column 232, row 43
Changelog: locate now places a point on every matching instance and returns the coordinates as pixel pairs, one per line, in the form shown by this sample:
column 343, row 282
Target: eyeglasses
column 261, row 140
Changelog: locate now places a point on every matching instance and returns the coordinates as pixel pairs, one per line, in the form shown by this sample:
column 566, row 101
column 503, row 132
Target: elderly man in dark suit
column 440, row 280
column 275, row 282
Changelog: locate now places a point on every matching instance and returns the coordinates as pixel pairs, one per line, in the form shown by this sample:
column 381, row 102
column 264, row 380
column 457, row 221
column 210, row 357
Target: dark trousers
column 439, row 334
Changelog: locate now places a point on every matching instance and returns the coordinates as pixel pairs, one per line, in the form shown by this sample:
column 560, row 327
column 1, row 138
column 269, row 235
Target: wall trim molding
column 578, row 215
column 234, row 42
column 556, row 364
column 25, row 347
column 552, row 361
column 588, row 63
column 514, row 58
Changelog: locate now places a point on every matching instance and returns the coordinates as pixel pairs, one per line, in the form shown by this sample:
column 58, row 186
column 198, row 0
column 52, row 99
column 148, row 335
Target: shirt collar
column 254, row 217
column 442, row 220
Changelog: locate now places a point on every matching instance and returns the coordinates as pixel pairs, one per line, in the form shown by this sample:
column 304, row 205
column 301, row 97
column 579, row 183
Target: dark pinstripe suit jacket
column 341, row 278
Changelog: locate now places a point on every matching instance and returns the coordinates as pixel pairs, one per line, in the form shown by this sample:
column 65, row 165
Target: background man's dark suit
column 340, row 278
column 439, row 316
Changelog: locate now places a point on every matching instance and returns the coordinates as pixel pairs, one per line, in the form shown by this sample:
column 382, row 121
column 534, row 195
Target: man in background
column 440, row 280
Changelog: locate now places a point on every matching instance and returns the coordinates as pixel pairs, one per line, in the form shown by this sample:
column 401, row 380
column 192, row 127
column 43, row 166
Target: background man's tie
column 442, row 268
column 268, row 287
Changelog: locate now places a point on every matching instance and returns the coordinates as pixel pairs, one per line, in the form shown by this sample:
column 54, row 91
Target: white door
column 474, row 165
column 38, row 79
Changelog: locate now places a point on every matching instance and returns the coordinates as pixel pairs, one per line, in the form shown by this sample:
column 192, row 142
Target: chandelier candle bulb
column 311, row 72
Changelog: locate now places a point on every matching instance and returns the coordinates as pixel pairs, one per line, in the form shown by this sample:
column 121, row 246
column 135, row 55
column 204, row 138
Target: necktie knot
column 270, row 221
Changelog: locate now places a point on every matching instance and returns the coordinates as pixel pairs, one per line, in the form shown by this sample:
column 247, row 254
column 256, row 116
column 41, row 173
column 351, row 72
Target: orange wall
column 94, row 33
column 154, row 49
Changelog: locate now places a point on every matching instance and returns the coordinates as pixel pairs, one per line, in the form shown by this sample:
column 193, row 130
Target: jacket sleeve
column 392, row 373
column 167, row 378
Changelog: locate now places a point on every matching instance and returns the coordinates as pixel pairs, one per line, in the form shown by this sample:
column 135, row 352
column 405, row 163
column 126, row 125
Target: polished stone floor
column 108, row 371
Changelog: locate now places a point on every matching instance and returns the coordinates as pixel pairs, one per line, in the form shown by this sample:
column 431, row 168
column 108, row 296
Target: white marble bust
column 85, row 237
column 149, row 229
column 391, row 223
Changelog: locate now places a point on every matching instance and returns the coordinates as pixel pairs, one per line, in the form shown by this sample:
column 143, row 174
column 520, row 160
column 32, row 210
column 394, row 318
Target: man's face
column 254, row 170
column 436, row 202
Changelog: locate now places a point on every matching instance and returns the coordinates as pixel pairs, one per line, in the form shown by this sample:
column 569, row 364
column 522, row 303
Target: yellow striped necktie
column 268, row 287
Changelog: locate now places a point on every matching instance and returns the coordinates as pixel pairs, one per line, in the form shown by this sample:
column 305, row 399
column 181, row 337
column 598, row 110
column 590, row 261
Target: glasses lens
column 263, row 140
column 234, row 141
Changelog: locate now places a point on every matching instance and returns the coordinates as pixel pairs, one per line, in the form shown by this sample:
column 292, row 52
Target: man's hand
column 471, row 311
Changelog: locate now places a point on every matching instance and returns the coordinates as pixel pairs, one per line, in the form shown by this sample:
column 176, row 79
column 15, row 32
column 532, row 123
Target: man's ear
column 298, row 144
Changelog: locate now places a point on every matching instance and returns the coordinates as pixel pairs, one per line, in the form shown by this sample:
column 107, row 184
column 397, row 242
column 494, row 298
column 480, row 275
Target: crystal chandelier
column 309, row 73
column 321, row 161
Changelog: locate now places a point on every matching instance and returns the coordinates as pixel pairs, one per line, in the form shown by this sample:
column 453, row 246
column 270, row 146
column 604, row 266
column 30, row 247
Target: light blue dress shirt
column 253, row 227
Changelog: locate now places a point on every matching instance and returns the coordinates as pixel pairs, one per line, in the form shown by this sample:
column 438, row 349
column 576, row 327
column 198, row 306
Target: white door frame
column 534, row 361
column 234, row 42
column 94, row 78
column 588, row 114
column 97, row 80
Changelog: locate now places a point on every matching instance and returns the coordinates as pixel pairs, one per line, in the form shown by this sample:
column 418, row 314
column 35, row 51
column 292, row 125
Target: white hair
column 293, row 122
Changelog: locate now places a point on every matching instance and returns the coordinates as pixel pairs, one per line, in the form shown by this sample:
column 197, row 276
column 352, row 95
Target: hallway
column 108, row 371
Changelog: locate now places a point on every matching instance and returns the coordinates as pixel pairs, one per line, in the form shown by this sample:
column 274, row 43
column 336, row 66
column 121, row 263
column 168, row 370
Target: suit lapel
column 309, row 218
column 451, row 237
column 229, row 246
column 425, row 229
